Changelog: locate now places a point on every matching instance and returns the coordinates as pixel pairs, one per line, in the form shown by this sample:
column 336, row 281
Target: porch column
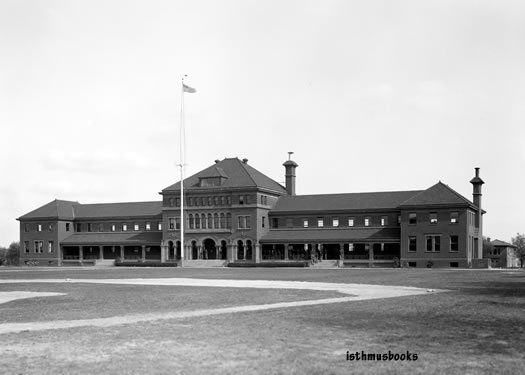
column 257, row 253
column 163, row 253
column 286, row 251
column 371, row 253
column 143, row 255
column 101, row 252
column 81, row 253
column 122, row 253
column 230, row 252
column 341, row 251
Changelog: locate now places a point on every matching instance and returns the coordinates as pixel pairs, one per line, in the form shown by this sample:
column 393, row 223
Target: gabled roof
column 501, row 243
column 122, row 209
column 68, row 210
column 237, row 173
column 348, row 201
column 437, row 195
column 53, row 210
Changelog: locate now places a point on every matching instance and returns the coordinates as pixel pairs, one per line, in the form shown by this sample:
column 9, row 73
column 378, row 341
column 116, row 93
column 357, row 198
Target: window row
column 39, row 227
column 432, row 218
column 212, row 221
column 321, row 222
column 433, row 243
column 38, row 247
column 115, row 227
column 215, row 200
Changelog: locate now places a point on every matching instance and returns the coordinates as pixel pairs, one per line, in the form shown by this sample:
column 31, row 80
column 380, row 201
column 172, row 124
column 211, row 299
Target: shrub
column 269, row 264
column 119, row 263
column 430, row 264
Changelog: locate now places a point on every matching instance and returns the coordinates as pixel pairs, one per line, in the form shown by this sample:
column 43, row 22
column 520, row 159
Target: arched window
column 248, row 250
column 178, row 252
column 228, row 220
column 190, row 221
column 210, row 221
column 216, row 221
column 223, row 221
column 204, row 221
column 240, row 250
column 197, row 221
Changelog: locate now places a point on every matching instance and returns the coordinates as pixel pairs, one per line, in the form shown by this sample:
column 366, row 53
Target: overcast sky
column 370, row 95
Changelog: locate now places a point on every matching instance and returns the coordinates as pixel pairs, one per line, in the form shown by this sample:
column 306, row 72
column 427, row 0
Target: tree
column 10, row 256
column 519, row 242
column 3, row 255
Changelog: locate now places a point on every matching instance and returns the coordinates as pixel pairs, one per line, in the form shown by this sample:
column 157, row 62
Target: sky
column 369, row 95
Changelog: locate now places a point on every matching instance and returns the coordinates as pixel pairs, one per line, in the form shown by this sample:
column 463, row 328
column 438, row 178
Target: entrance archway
column 171, row 250
column 209, row 251
column 194, row 250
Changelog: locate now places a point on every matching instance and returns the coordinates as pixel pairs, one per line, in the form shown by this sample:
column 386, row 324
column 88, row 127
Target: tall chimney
column 477, row 182
column 290, row 166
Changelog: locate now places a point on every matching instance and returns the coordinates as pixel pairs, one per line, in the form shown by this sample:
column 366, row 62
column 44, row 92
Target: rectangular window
column 275, row 222
column 26, row 246
column 335, row 222
column 171, row 223
column 454, row 218
column 136, row 226
column 124, row 227
column 39, row 228
column 79, row 227
column 384, row 221
column 350, row 221
column 39, row 246
column 177, row 202
column 289, row 222
column 454, row 243
column 412, row 243
column 367, row 221
column 159, row 225
column 26, row 227
column 243, row 222
column 305, row 223
column 101, row 227
column 113, row 227
column 177, row 223
column 398, row 219
column 50, row 248
column 263, row 221
column 320, row 222
column 36, row 246
column 433, row 243
column 67, row 227
column 412, row 218
column 50, row 227
column 148, row 225
column 90, row 229
column 433, row 218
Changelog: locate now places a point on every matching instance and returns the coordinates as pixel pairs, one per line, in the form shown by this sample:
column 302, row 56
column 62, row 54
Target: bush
column 430, row 264
column 269, row 264
column 120, row 263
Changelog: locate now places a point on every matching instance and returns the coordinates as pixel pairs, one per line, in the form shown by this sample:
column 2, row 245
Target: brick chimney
column 477, row 182
column 290, row 166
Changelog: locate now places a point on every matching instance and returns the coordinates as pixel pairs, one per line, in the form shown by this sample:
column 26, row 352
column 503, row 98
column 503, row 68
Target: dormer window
column 210, row 181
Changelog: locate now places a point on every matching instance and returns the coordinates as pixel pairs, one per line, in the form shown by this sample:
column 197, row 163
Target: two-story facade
column 234, row 213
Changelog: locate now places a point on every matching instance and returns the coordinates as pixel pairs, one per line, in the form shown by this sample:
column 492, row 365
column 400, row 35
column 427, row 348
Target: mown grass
column 475, row 327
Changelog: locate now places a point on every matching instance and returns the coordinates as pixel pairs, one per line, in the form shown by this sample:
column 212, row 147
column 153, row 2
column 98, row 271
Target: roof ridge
column 247, row 171
column 359, row 192
column 87, row 204
column 455, row 192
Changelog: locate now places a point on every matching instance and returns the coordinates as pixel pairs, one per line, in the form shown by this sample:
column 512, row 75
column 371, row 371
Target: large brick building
column 234, row 213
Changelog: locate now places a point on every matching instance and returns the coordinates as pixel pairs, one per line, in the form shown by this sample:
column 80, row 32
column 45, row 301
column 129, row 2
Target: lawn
column 476, row 326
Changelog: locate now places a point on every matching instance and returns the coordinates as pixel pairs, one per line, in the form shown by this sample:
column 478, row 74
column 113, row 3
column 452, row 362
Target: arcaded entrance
column 209, row 249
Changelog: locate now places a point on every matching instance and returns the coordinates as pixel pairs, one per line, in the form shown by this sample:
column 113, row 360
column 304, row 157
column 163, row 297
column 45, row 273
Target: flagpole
column 181, row 157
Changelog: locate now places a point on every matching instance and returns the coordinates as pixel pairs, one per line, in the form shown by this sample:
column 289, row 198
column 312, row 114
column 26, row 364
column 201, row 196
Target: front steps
column 105, row 262
column 204, row 263
column 326, row 264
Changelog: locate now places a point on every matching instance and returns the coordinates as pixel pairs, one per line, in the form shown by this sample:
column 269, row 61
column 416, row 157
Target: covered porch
column 95, row 248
